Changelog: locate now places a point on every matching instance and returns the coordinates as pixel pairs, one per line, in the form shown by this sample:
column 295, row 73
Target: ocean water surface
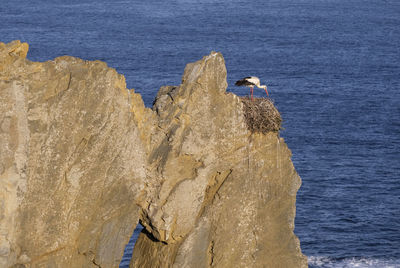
column 333, row 70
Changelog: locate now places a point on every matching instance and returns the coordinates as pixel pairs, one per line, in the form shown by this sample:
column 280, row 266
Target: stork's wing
column 245, row 82
column 253, row 79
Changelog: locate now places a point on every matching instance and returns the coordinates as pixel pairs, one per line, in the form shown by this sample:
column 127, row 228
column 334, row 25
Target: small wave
column 362, row 262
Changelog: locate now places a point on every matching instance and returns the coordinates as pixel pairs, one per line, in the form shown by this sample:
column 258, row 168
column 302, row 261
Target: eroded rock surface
column 82, row 160
column 225, row 196
column 72, row 162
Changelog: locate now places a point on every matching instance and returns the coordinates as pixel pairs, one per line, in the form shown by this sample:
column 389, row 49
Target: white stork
column 250, row 82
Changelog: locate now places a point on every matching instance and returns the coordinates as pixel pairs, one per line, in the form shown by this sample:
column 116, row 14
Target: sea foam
column 328, row 262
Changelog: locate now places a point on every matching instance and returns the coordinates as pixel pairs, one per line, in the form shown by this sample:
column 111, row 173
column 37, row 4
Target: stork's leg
column 251, row 90
column 266, row 92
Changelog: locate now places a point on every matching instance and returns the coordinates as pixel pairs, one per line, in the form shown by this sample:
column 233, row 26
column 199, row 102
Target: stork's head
column 265, row 88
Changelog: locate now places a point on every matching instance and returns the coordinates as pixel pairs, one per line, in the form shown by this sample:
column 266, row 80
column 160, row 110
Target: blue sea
column 332, row 68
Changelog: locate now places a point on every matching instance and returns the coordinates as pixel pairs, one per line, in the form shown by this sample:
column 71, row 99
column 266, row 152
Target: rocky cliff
column 82, row 160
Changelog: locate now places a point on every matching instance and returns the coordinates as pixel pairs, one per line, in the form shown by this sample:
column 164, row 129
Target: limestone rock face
column 223, row 196
column 72, row 162
column 82, row 160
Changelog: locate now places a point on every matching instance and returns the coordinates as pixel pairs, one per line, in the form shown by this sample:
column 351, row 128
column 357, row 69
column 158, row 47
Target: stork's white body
column 254, row 80
column 250, row 82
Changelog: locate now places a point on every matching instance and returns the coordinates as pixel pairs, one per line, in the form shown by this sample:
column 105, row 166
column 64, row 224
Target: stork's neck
column 262, row 86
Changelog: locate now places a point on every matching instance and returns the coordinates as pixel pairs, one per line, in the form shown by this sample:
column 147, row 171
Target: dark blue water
column 332, row 67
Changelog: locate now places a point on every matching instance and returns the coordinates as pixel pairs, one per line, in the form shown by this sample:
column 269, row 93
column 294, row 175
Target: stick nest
column 261, row 115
